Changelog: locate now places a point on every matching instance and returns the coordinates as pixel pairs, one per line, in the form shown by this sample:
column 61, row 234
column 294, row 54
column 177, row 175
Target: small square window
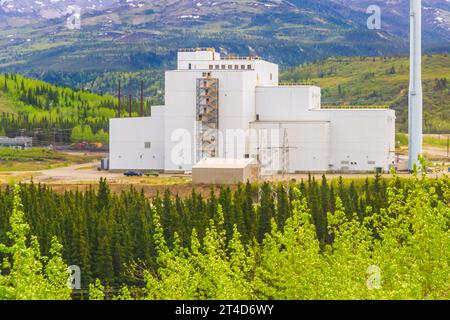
column 236, row 67
column 230, row 67
column 217, row 67
column 224, row 67
column 211, row 67
column 148, row 145
column 243, row 67
column 249, row 67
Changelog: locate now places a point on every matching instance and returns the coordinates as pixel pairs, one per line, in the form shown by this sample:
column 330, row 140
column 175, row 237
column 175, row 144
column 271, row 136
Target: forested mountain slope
column 133, row 35
column 49, row 113
column 381, row 81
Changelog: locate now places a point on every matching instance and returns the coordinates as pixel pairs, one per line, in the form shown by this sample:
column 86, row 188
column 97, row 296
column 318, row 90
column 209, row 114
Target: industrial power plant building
column 234, row 108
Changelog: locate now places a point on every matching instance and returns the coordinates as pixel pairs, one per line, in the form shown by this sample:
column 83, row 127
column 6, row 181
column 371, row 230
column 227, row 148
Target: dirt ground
column 430, row 152
column 86, row 175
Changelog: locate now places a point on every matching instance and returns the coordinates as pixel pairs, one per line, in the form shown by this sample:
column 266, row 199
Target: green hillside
column 50, row 113
column 381, row 81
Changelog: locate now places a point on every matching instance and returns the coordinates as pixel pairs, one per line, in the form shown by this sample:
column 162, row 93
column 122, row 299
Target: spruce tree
column 249, row 213
column 282, row 212
column 266, row 211
column 225, row 202
column 103, row 195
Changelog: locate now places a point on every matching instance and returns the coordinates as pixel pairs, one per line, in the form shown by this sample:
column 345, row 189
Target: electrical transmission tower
column 285, row 153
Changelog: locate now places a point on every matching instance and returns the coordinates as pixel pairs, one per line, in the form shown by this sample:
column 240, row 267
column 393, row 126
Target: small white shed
column 225, row 171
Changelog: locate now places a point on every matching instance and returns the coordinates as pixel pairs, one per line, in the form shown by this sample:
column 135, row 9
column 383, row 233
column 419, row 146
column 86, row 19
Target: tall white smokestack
column 415, row 85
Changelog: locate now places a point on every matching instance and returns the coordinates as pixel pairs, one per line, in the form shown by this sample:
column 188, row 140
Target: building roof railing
column 196, row 49
column 354, row 107
column 293, row 84
column 232, row 57
column 227, row 57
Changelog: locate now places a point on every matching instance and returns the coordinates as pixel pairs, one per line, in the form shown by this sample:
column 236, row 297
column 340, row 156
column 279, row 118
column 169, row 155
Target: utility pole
column 118, row 108
column 448, row 146
column 142, row 98
column 35, row 135
column 130, row 105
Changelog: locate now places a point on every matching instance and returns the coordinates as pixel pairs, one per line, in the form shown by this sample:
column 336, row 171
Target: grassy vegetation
column 6, row 105
column 438, row 141
column 37, row 159
column 401, row 140
column 364, row 81
column 161, row 181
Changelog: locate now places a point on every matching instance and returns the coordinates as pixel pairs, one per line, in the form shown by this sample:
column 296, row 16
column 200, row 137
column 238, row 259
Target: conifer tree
column 103, row 195
column 266, row 211
column 282, row 206
column 238, row 212
column 250, row 218
column 226, row 204
column 168, row 218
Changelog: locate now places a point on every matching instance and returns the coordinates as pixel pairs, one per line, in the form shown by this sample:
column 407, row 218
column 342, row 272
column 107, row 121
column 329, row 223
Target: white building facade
column 234, row 108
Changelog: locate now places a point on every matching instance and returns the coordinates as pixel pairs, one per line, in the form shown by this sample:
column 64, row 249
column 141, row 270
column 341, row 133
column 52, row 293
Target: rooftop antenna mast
column 415, row 85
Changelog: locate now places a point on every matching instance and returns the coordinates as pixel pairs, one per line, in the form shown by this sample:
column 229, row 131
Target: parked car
column 133, row 174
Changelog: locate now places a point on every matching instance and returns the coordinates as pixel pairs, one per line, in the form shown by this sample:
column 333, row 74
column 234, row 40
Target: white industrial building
column 234, row 108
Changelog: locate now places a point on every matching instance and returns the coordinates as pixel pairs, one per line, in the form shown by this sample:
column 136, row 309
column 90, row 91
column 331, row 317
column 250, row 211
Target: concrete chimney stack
column 415, row 85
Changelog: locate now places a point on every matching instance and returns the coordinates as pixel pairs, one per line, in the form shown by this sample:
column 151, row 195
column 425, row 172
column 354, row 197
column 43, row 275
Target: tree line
column 397, row 251
column 103, row 232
